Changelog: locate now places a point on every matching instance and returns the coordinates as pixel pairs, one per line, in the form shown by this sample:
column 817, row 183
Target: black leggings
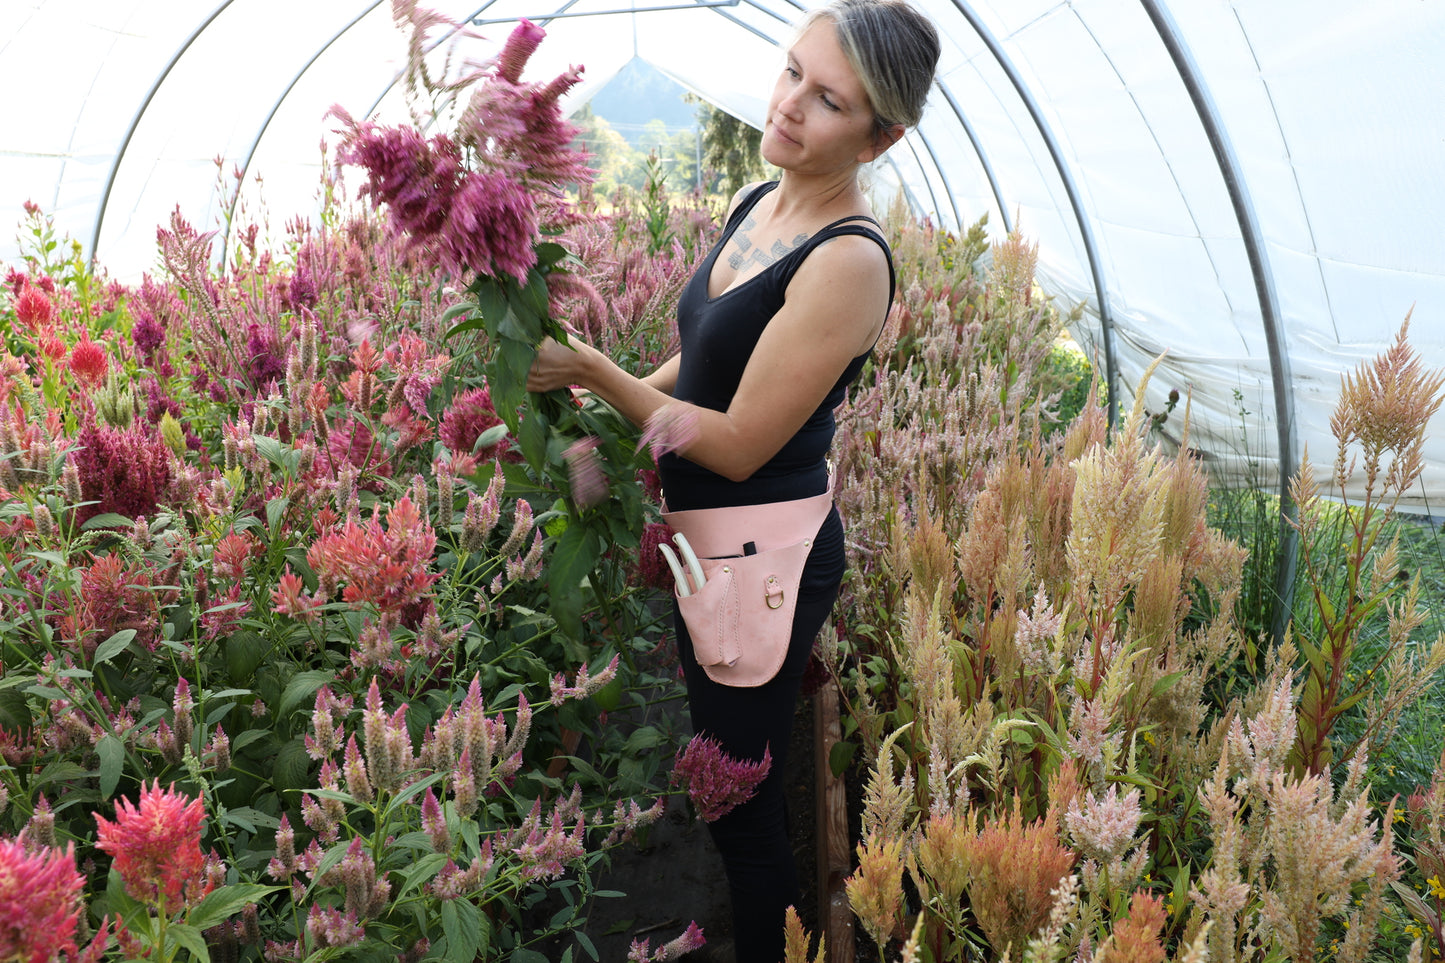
column 753, row 838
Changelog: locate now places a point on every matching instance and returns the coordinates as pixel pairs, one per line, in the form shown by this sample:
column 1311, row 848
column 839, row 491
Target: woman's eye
column 829, row 104
column 792, row 73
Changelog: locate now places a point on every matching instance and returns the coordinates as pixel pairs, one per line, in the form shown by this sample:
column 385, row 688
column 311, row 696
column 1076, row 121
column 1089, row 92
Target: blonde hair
column 892, row 47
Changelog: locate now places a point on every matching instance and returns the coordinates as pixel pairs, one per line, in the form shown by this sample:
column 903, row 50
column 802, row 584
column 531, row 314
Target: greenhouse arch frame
column 1250, row 190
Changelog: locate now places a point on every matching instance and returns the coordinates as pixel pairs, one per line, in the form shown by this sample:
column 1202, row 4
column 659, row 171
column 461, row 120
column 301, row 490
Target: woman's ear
column 885, row 138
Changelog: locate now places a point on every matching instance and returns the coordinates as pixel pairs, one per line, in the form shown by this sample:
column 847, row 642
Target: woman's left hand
column 559, row 365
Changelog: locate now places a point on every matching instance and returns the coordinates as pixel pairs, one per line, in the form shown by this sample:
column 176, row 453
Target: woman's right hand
column 560, row 365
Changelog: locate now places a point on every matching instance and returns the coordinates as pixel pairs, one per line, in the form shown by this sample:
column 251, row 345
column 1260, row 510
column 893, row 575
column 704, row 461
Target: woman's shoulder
column 742, row 194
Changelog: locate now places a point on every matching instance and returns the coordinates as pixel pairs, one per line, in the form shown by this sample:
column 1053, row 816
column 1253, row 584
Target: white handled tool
column 693, row 565
column 671, row 557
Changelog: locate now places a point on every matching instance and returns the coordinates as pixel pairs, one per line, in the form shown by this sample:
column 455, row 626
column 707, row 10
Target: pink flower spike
column 716, row 782
column 519, row 49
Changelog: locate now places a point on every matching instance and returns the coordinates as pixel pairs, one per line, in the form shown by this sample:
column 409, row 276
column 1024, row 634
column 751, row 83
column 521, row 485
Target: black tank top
column 718, row 336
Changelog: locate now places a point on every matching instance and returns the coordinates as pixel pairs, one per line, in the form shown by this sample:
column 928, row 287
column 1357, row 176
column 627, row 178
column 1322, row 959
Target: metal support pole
column 1253, row 237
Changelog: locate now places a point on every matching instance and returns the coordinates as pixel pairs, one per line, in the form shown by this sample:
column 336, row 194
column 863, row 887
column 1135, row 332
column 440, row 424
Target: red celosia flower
column 89, row 363
column 384, row 566
column 115, row 595
column 33, row 309
column 290, row 598
column 39, row 902
column 716, row 782
column 651, row 567
column 157, row 847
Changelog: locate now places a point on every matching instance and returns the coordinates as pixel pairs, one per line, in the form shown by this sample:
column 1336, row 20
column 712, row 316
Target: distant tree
column 730, row 148
column 612, row 157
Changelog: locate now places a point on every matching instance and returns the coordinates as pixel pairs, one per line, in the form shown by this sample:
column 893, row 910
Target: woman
column 775, row 325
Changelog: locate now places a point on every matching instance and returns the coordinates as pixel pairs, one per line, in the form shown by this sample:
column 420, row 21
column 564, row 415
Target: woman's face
column 819, row 119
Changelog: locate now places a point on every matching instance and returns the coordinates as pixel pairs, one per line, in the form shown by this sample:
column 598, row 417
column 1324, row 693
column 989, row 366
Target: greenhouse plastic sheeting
column 1254, row 187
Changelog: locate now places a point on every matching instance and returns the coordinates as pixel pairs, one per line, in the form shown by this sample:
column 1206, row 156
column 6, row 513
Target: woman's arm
column 834, row 308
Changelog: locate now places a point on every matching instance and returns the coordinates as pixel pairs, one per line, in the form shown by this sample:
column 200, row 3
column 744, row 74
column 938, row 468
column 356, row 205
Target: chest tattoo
column 745, row 251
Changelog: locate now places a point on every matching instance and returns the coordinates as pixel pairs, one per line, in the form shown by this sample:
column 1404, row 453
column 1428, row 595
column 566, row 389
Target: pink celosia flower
column 520, row 46
column 156, row 847
column 89, row 363
column 716, row 782
column 691, row 939
column 330, row 927
column 123, row 470
column 233, row 553
column 470, row 414
column 39, row 902
column 33, row 309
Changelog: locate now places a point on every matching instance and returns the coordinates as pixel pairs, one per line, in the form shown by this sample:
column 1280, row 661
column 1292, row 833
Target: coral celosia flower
column 716, row 782
column 89, row 363
column 39, row 902
column 157, row 847
column 386, row 566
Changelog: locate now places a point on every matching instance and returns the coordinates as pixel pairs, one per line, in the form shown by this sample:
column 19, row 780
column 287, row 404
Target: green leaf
column 113, row 646
column 46, row 692
column 15, row 711
column 245, row 651
column 523, row 955
column 292, row 767
column 462, row 926
column 275, row 511
column 107, row 520
column 303, row 686
column 111, row 750
column 642, row 739
column 462, row 327
column 225, row 902
column 840, row 757
column 189, row 937
column 532, row 437
column 549, row 253
column 270, row 449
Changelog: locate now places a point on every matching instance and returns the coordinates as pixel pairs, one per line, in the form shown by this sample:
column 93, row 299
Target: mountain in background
column 641, row 93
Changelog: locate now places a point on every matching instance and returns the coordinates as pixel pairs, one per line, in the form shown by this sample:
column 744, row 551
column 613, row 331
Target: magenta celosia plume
column 716, row 782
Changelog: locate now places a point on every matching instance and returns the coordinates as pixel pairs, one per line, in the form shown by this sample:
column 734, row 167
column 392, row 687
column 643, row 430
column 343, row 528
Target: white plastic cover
column 119, row 109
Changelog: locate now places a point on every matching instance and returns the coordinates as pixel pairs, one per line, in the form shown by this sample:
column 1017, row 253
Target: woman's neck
column 802, row 195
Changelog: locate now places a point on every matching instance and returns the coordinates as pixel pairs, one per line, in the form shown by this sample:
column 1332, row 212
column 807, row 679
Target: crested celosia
column 39, row 901
column 123, row 470
column 715, row 781
column 156, row 847
column 469, row 415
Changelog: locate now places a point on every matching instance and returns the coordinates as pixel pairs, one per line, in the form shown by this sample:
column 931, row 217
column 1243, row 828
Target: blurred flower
column 716, row 782
column 156, row 847
column 584, row 472
column 39, row 901
column 670, row 428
